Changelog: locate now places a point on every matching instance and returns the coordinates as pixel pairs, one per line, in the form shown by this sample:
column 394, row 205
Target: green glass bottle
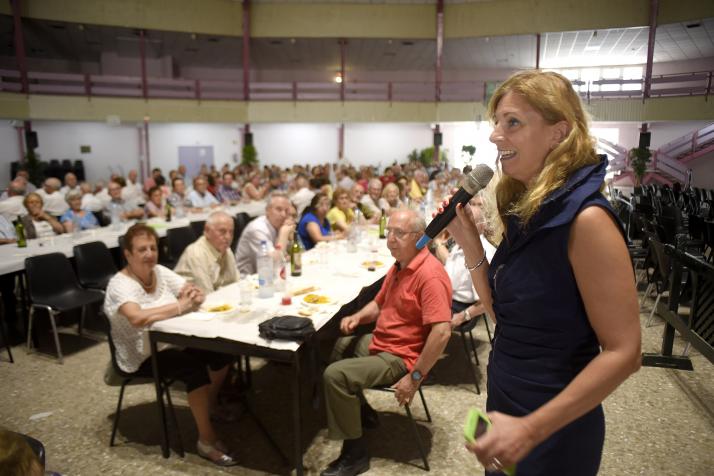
column 20, row 232
column 168, row 211
column 383, row 225
column 296, row 257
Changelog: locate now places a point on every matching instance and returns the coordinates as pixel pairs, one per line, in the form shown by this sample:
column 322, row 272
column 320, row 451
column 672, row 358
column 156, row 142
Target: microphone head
column 478, row 178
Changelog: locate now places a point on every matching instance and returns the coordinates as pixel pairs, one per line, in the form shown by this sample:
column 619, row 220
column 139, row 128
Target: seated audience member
column 70, row 184
column 356, row 195
column 464, row 301
column 161, row 183
column 155, row 206
column 303, row 195
column 275, row 227
column 418, row 185
column 178, row 198
column 54, row 202
column 341, row 214
column 102, row 193
column 86, row 218
column 403, row 184
column 132, row 190
column 151, row 181
column 89, row 201
column 38, row 223
column 143, row 293
column 228, row 192
column 126, row 209
column 25, row 176
column 253, row 190
column 314, row 226
column 7, row 232
column 17, row 456
column 374, row 193
column 200, row 197
column 209, row 262
column 390, row 200
column 412, row 329
column 12, row 207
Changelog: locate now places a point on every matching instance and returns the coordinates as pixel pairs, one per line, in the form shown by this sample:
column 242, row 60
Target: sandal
column 215, row 454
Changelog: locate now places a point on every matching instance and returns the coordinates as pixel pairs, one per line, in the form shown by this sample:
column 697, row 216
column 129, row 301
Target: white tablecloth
column 338, row 274
column 12, row 258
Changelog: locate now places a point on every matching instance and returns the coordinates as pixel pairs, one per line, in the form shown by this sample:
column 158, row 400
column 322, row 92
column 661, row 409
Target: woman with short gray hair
column 76, row 216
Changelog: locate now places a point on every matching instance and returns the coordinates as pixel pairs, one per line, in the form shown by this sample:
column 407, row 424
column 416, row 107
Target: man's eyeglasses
column 399, row 234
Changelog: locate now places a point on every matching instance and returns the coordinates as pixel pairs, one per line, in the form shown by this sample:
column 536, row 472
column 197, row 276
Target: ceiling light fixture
column 338, row 78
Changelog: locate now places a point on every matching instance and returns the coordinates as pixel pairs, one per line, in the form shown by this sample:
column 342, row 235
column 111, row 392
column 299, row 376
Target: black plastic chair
column 197, row 227
column 5, row 337
column 95, row 266
column 115, row 376
column 412, row 420
column 240, row 221
column 53, row 286
column 177, row 239
column 467, row 327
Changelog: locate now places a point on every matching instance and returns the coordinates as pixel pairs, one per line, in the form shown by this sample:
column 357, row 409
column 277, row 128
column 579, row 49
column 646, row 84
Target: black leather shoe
column 369, row 417
column 348, row 464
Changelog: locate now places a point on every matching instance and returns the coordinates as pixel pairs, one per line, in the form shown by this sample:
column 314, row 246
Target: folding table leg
column 159, row 398
column 297, row 430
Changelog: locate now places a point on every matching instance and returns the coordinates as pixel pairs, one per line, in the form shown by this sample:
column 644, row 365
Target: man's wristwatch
column 416, row 375
column 467, row 315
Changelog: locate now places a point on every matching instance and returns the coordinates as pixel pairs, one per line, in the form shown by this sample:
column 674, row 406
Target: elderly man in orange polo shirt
column 412, row 312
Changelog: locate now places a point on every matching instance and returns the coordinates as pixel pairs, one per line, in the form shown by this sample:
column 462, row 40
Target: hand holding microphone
column 473, row 183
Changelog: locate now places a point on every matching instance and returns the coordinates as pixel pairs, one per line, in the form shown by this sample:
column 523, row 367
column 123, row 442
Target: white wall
column 288, row 144
column 383, row 143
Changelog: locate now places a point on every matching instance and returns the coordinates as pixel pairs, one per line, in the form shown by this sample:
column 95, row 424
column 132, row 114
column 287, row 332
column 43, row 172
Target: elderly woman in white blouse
column 143, row 293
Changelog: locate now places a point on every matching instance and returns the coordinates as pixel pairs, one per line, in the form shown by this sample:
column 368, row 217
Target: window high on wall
column 606, row 78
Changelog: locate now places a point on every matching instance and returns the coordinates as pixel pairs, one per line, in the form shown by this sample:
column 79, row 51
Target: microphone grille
column 482, row 174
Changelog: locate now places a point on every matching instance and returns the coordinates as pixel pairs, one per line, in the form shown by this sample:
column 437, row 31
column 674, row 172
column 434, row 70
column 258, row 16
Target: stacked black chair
column 177, row 239
column 78, row 168
column 197, row 227
column 53, row 286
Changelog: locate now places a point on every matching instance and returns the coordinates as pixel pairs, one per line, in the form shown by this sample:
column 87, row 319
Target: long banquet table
column 335, row 271
column 12, row 258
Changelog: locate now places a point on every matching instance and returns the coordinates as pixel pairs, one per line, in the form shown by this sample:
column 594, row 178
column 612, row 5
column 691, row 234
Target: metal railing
column 684, row 84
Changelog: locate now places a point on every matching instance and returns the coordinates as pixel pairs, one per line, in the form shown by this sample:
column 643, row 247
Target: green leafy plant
column 639, row 158
column 34, row 167
column 249, row 155
column 426, row 156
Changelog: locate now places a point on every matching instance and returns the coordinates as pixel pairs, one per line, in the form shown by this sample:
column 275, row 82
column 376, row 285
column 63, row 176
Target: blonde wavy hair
column 552, row 95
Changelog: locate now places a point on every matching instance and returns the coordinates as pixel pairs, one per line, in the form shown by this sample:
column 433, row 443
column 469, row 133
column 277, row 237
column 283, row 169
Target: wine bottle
column 296, row 257
column 383, row 225
column 20, row 232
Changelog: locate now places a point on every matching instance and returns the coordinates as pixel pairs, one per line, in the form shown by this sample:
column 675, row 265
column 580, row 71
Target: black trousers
column 189, row 366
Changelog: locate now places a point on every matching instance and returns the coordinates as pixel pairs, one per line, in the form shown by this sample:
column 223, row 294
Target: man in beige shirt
column 209, row 261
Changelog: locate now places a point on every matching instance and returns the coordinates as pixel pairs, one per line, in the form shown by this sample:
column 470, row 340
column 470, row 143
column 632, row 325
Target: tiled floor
column 660, row 422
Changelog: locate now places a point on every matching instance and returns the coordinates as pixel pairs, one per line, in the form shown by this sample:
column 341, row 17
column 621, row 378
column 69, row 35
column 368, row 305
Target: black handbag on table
column 286, row 328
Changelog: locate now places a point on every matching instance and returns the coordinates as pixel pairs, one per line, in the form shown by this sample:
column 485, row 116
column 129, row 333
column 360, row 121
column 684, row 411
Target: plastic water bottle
column 280, row 274
column 115, row 215
column 76, row 224
column 265, row 272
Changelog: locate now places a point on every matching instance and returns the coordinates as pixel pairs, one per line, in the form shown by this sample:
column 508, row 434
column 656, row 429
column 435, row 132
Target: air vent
column 213, row 40
column 390, row 53
column 693, row 25
column 57, row 26
column 276, row 42
column 191, row 50
column 407, row 43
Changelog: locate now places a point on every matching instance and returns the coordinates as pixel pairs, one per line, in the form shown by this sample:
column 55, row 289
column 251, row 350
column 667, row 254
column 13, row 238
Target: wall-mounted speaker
column 437, row 138
column 645, row 139
column 248, row 138
column 31, row 140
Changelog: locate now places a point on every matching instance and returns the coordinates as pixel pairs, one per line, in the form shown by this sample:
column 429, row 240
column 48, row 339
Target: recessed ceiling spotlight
column 292, row 41
column 338, row 78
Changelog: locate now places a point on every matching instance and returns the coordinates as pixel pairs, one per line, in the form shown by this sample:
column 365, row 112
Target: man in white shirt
column 12, row 206
column 302, row 198
column 53, row 200
column 209, row 261
column 275, row 227
column 200, row 197
column 89, row 201
column 70, row 184
column 374, row 193
column 126, row 209
column 132, row 189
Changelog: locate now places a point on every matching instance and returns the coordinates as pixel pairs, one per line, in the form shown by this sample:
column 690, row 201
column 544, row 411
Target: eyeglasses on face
column 399, row 234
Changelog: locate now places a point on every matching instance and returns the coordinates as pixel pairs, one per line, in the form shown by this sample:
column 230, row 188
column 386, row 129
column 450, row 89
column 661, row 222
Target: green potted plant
column 639, row 158
column 249, row 155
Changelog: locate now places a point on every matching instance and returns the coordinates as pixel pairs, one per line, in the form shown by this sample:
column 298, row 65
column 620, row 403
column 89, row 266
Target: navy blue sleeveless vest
column 543, row 338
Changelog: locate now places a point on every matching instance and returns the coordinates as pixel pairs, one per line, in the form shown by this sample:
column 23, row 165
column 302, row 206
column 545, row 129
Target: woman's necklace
column 147, row 287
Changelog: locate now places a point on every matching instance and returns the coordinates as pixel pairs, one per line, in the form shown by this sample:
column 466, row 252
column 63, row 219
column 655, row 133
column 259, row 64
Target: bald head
column 52, row 184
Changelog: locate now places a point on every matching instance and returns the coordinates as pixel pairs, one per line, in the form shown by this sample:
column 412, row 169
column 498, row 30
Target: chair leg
column 423, row 404
column 118, row 412
column 468, row 362
column 80, row 324
column 646, row 294
column 5, row 339
column 29, row 328
column 473, row 348
column 174, row 420
column 416, row 436
column 54, row 332
column 654, row 309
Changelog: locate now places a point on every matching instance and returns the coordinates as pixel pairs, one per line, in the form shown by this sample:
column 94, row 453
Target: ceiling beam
column 332, row 20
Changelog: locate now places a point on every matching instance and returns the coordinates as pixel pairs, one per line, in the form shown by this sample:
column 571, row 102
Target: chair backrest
column 178, row 239
column 49, row 275
column 197, row 227
column 240, row 221
column 664, row 265
column 108, row 377
column 95, row 265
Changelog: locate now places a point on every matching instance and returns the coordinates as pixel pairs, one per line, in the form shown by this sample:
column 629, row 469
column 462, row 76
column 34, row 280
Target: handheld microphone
column 473, row 183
